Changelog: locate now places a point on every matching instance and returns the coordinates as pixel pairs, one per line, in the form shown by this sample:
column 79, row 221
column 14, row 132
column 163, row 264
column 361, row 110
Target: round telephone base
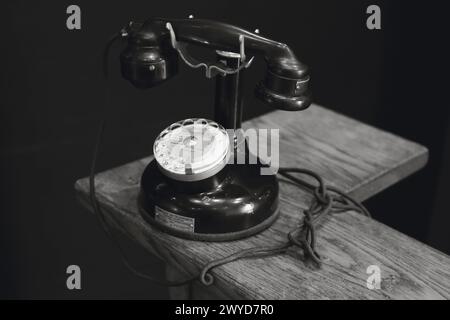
column 236, row 203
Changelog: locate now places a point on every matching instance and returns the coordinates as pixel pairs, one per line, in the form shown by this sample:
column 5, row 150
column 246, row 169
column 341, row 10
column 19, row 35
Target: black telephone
column 209, row 198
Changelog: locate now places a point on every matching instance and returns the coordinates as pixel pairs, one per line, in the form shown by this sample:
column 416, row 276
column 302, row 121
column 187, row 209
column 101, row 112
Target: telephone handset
column 150, row 57
column 191, row 189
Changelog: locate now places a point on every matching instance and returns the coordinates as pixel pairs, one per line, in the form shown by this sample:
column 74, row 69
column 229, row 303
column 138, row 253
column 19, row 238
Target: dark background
column 51, row 94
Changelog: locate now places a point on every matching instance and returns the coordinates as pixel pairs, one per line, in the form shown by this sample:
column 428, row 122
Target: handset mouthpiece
column 286, row 84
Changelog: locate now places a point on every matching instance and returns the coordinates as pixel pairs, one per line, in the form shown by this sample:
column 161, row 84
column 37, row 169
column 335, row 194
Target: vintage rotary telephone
column 207, row 197
column 204, row 195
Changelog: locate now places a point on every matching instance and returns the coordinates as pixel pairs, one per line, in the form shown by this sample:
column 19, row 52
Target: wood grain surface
column 353, row 156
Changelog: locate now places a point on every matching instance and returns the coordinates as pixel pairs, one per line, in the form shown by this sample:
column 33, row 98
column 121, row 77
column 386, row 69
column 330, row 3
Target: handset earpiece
column 149, row 59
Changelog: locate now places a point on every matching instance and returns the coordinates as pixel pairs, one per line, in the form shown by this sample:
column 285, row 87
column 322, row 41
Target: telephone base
column 235, row 203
